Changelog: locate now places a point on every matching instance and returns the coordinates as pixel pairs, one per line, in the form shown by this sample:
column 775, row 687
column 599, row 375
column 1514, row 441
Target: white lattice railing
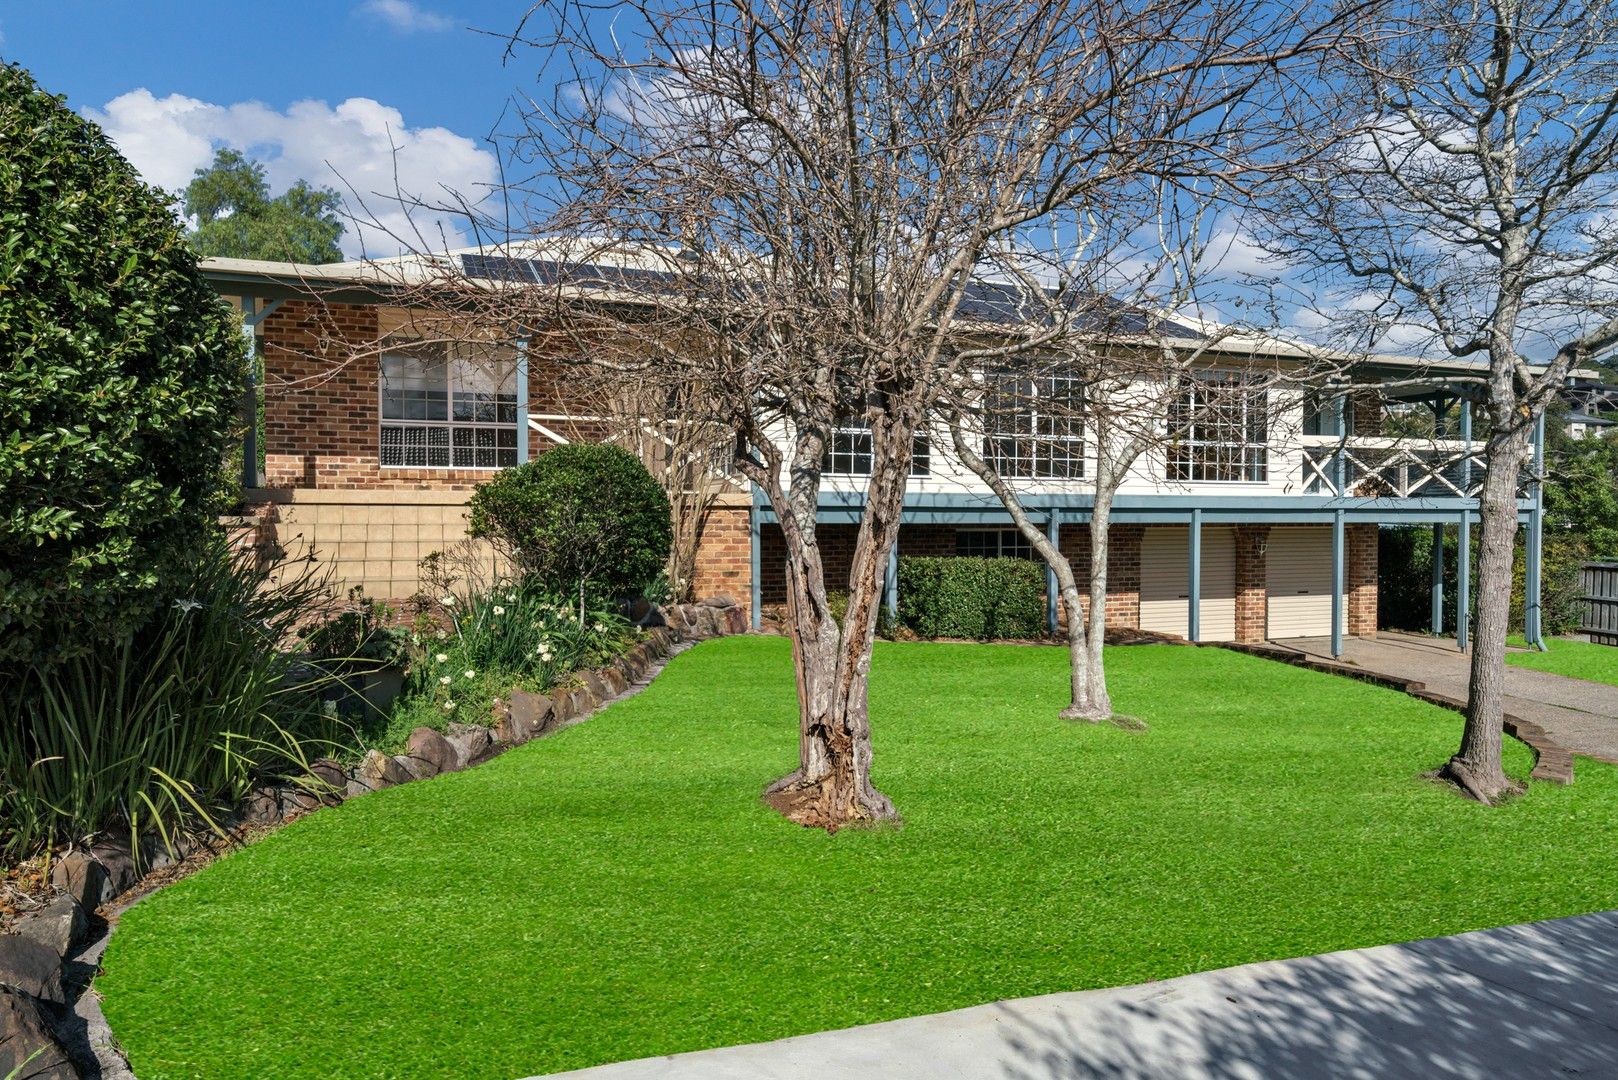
column 1391, row 468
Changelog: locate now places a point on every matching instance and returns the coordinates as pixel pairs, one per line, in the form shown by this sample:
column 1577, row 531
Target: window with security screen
column 1219, row 431
column 1034, row 427
column 993, row 544
column 448, row 407
column 849, row 449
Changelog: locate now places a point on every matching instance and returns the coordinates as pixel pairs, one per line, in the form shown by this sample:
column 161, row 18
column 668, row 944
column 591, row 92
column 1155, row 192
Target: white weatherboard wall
column 1298, row 581
column 1165, row 589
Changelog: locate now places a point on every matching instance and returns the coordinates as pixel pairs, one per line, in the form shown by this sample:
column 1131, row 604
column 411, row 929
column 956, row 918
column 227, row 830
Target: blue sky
column 320, row 90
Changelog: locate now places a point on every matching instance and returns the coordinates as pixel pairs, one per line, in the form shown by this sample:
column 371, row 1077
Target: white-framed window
column 1033, row 427
column 1220, row 431
column 848, row 451
column 993, row 544
column 447, row 407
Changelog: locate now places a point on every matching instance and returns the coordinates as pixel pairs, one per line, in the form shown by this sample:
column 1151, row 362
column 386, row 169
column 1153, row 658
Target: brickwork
column 724, row 563
column 1252, row 595
column 1360, row 570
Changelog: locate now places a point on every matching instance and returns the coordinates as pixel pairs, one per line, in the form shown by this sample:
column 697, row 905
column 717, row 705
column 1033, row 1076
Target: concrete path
column 1582, row 716
column 1534, row 1000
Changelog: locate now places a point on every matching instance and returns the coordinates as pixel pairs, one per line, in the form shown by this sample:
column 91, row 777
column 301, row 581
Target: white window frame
column 1205, row 449
column 1022, row 549
column 920, row 455
column 453, row 358
column 1044, row 445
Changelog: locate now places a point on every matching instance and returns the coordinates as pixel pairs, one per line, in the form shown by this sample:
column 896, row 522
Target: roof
column 630, row 273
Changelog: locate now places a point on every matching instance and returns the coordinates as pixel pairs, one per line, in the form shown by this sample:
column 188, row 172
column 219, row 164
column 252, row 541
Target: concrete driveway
column 1582, row 716
column 1533, row 1000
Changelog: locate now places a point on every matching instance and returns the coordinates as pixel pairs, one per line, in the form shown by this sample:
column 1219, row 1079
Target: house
column 1263, row 525
column 1593, row 407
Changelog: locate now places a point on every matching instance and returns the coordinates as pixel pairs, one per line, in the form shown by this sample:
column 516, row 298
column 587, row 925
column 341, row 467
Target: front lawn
column 1576, row 659
column 618, row 890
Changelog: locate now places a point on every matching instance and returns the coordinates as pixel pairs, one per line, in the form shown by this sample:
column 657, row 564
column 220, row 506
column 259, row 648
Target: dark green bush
column 586, row 517
column 964, row 597
column 121, row 372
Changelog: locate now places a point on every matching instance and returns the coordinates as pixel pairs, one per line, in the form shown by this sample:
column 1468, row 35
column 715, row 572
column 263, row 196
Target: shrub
column 179, row 717
column 964, row 597
column 120, row 375
column 583, row 518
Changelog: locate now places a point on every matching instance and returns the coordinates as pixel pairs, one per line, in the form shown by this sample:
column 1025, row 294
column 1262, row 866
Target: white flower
column 470, row 673
column 511, row 598
column 187, row 605
column 443, row 680
column 441, row 658
column 498, row 610
column 449, row 706
column 448, row 599
column 443, row 635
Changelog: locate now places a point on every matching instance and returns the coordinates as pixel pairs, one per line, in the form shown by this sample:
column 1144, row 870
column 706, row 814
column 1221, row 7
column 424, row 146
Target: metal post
column 1337, row 584
column 1437, row 586
column 1194, row 579
column 1532, row 629
column 1466, row 454
column 756, row 559
column 891, row 600
column 1463, row 581
column 250, row 400
column 522, row 400
column 1339, row 462
column 1053, row 533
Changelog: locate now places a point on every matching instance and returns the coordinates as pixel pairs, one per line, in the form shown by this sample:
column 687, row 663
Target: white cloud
column 405, row 16
column 356, row 147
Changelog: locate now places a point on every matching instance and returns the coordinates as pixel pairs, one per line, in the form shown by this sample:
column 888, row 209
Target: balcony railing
column 1374, row 467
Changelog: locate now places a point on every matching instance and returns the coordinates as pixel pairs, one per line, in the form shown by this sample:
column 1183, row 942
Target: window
column 1320, row 414
column 848, row 451
column 993, row 544
column 1033, row 427
column 448, row 407
column 1219, row 431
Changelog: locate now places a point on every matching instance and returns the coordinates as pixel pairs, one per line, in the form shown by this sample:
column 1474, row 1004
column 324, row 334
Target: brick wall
column 1252, row 596
column 1360, row 570
column 724, row 564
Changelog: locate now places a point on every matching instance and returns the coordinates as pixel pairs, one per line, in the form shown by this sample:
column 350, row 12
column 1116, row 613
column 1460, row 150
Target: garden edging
column 46, row 965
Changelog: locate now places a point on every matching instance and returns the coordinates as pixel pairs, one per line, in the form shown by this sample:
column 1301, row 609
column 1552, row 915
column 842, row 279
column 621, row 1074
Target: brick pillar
column 1252, row 592
column 1361, row 580
column 724, row 562
column 1123, row 576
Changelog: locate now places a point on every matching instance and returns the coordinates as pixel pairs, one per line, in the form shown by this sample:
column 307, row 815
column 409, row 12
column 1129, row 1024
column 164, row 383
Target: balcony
column 1392, row 468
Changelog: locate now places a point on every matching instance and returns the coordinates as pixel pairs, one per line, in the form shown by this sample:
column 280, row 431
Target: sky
column 322, row 90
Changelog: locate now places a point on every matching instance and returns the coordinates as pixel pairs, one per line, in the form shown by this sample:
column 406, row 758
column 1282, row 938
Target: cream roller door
column 1298, row 581
column 1164, row 581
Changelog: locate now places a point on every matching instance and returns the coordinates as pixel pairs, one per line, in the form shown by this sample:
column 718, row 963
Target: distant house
column 1593, row 407
column 1275, row 515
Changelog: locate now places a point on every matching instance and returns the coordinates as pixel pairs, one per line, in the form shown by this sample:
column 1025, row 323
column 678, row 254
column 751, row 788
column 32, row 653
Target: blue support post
column 1053, row 533
column 891, row 592
column 522, row 400
column 1463, row 581
column 1194, row 579
column 1466, row 438
column 1337, row 584
column 1437, row 587
column 250, row 320
column 1532, row 629
column 1339, row 466
column 756, row 559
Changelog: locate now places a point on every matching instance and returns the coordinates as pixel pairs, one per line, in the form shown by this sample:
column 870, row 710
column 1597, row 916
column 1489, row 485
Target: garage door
column 1298, row 581
column 1164, row 576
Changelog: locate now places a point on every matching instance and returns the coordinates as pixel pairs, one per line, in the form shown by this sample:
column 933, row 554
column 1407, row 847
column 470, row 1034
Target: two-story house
column 1260, row 523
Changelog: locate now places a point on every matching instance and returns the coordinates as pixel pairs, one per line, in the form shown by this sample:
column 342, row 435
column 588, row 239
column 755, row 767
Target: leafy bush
column 965, row 597
column 584, row 518
column 358, row 638
column 479, row 646
column 121, row 372
column 179, row 717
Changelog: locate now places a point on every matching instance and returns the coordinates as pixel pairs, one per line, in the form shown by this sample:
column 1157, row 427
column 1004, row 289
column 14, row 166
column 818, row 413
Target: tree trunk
column 1098, row 706
column 1476, row 767
column 831, row 788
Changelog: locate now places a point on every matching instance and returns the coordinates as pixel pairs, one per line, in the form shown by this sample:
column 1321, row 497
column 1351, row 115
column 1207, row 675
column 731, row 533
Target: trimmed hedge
column 959, row 596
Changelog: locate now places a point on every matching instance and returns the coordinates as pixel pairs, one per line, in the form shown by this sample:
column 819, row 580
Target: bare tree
column 1468, row 199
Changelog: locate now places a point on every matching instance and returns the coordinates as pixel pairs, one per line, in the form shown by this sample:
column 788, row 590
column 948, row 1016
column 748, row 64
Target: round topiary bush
column 121, row 372
column 586, row 516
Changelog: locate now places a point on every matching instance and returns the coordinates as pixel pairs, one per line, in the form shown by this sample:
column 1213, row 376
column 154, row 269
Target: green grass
column 1576, row 659
column 617, row 890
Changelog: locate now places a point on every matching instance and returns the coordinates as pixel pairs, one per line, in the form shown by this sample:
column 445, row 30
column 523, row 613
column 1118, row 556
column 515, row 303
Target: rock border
column 1552, row 760
column 46, row 965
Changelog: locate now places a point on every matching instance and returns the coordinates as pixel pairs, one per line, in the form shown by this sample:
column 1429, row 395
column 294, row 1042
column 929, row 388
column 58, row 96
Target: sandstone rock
column 471, row 745
column 599, row 688
column 736, row 620
column 377, row 771
column 723, row 600
column 117, row 868
column 265, row 806
column 59, row 927
column 674, row 617
column 31, row 967
column 709, row 622
column 431, row 752
column 80, row 876
column 527, row 716
column 616, row 683
column 325, row 781
column 26, row 1037
column 583, row 701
